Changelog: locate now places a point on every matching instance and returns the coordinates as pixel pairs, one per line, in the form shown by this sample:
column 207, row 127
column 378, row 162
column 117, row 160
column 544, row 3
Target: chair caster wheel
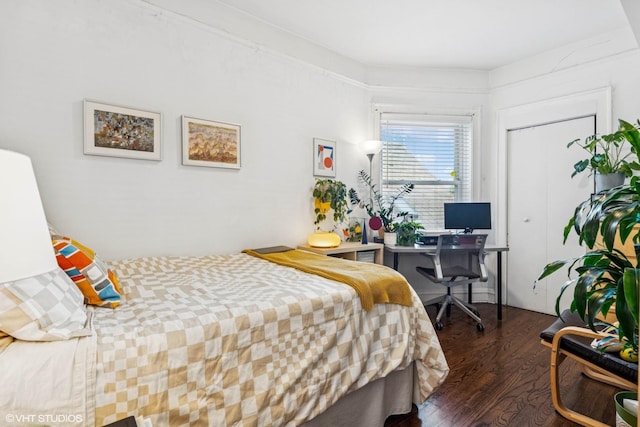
column 480, row 327
column 439, row 326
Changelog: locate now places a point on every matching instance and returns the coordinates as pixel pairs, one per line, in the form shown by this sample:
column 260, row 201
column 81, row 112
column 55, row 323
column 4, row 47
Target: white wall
column 55, row 54
column 132, row 53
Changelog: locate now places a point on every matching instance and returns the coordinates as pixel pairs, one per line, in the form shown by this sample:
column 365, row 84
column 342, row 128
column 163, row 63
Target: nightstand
column 350, row 250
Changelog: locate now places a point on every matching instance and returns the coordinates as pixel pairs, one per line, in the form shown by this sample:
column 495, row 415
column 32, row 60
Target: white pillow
column 47, row 307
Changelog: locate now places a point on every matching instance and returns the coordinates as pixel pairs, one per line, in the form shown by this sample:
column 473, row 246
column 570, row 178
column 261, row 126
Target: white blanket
column 48, row 383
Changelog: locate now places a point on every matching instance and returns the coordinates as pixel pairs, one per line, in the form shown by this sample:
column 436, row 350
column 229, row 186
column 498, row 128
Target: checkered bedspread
column 233, row 340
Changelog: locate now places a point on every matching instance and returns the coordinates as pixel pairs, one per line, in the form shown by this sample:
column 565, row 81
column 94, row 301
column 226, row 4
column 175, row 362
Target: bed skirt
column 373, row 403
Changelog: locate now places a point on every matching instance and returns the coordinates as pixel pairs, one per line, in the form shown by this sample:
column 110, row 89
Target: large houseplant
column 607, row 277
column 609, row 155
column 379, row 209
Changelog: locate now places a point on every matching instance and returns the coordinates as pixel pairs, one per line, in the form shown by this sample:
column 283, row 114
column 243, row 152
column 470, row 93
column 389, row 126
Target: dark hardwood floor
column 500, row 377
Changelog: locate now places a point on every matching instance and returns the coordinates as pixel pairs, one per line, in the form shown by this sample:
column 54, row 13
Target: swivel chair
column 449, row 246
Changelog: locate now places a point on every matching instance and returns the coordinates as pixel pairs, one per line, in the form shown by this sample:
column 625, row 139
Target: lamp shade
column 25, row 243
column 371, row 146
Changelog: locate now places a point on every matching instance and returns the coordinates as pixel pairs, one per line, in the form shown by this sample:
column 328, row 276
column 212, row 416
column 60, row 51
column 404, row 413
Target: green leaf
column 631, row 282
column 628, row 324
column 568, row 228
column 580, row 167
column 631, row 134
column 563, row 288
column 551, row 268
column 597, row 300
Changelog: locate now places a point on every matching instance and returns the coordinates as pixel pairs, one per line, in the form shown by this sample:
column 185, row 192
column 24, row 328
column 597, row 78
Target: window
column 432, row 152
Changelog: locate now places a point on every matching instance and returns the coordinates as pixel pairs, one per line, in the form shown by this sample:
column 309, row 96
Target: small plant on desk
column 407, row 232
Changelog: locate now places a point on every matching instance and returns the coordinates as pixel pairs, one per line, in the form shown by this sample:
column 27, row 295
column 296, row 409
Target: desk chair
column 450, row 276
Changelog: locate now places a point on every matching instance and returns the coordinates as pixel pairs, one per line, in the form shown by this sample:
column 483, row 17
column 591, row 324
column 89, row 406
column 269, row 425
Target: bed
column 227, row 340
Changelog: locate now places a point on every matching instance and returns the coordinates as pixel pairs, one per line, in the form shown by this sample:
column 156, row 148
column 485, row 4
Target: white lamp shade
column 371, row 146
column 25, row 243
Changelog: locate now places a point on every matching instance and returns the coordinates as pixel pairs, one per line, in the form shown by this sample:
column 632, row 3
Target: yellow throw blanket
column 374, row 283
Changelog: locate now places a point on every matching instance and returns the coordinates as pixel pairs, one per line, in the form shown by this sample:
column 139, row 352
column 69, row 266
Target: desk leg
column 499, row 285
column 395, row 261
column 469, row 289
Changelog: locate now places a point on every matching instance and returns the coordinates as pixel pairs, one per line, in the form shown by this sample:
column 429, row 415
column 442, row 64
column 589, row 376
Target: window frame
column 475, row 154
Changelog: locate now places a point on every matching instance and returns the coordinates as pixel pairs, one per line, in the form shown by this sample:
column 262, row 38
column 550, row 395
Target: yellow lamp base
column 322, row 239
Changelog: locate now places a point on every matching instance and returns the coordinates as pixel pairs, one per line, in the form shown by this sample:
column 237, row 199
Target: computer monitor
column 467, row 216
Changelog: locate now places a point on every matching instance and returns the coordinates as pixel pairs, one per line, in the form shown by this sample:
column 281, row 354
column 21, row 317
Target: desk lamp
column 26, row 249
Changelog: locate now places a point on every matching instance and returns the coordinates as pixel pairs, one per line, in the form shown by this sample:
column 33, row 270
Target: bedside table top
column 344, row 247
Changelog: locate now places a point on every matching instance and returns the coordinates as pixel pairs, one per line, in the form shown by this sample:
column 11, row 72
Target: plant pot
column 390, row 238
column 624, row 418
column 406, row 238
column 608, row 180
column 323, row 207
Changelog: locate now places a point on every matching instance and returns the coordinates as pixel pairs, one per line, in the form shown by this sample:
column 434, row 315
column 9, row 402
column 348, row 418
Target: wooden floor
column 500, row 377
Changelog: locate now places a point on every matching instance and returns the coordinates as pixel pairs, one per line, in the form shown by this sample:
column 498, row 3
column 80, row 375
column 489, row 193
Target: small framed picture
column 211, row 144
column 324, row 157
column 111, row 130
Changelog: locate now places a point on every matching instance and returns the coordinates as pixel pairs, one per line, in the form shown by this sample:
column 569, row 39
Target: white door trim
column 594, row 102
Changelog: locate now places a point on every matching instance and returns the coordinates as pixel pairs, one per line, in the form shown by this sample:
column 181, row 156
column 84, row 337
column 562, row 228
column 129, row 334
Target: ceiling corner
column 632, row 10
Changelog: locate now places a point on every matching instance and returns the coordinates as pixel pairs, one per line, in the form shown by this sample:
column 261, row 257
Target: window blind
column 432, row 152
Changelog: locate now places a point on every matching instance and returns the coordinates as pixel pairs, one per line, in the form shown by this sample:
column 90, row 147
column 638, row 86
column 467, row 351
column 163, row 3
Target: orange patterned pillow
column 98, row 284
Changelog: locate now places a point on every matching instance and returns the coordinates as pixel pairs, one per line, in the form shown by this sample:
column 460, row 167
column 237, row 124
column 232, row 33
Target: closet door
column 541, row 197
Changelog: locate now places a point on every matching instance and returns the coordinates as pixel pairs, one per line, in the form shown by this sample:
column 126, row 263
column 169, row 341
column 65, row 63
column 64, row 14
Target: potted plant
column 381, row 212
column 606, row 277
column 408, row 232
column 609, row 155
column 328, row 194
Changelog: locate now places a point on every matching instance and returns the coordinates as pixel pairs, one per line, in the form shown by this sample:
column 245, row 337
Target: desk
column 418, row 249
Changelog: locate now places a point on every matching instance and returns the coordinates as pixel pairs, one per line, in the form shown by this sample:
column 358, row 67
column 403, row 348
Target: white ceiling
column 469, row 34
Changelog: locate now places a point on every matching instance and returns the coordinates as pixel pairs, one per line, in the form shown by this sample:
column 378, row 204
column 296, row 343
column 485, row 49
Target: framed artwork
column 111, row 130
column 324, row 157
column 211, row 144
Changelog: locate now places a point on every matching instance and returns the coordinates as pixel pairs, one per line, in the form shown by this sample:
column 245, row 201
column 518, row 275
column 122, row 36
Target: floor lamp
column 371, row 148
